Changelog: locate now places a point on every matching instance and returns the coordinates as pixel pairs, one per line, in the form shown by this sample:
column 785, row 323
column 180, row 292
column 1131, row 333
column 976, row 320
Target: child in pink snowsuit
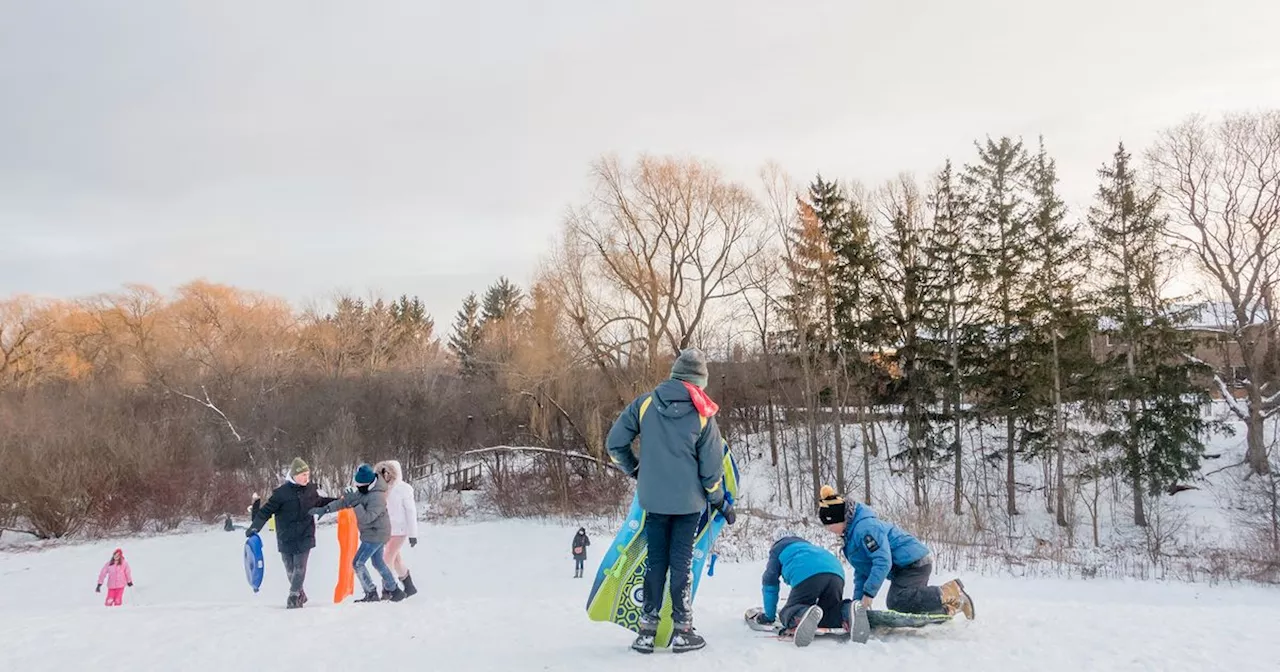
column 117, row 575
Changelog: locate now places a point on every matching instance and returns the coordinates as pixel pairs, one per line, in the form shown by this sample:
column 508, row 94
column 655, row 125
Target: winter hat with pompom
column 365, row 475
column 831, row 506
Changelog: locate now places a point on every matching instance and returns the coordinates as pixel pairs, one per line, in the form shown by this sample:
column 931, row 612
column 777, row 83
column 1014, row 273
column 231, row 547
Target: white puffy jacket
column 401, row 506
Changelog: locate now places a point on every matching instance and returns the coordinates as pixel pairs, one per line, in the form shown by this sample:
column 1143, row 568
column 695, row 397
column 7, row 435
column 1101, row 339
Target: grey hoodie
column 681, row 462
column 370, row 509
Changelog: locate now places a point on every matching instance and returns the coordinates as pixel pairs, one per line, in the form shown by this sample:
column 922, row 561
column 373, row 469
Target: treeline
column 973, row 301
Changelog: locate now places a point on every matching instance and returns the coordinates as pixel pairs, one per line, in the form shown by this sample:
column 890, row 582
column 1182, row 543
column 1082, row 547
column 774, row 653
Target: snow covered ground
column 498, row 596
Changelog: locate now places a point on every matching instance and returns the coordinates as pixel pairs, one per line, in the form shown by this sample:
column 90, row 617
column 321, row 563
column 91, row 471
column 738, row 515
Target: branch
column 530, row 449
column 208, row 403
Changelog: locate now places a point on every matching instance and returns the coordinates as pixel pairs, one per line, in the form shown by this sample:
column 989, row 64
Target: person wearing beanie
column 817, row 588
column 295, row 529
column 880, row 551
column 678, row 473
column 368, row 500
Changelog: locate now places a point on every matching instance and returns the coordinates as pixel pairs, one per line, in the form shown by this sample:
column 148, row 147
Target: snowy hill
column 498, row 596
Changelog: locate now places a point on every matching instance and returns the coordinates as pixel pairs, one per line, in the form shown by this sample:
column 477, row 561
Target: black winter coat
column 290, row 504
column 580, row 540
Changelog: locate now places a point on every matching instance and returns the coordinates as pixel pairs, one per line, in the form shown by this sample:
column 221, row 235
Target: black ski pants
column 824, row 590
column 670, row 540
column 910, row 592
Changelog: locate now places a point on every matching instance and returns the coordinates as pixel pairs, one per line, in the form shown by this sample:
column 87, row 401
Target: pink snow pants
column 115, row 597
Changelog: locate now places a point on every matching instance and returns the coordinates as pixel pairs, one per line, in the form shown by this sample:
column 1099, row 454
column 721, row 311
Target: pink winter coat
column 116, row 576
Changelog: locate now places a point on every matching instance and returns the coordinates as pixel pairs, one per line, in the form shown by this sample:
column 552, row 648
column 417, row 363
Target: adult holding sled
column 580, row 543
column 817, row 588
column 295, row 528
column 878, row 551
column 368, row 500
column 678, row 474
column 402, row 507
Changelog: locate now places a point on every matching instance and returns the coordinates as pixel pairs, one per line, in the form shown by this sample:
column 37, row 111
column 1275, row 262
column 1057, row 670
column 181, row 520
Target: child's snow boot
column 807, row 626
column 302, row 597
column 369, row 596
column 956, row 600
column 293, row 602
column 644, row 642
column 684, row 638
column 409, row 590
column 395, row 595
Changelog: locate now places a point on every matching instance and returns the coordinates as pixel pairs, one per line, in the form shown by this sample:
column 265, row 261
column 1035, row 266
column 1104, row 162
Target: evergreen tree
column 1152, row 404
column 949, row 250
column 1057, row 347
column 996, row 191
column 467, row 336
column 502, row 300
column 831, row 208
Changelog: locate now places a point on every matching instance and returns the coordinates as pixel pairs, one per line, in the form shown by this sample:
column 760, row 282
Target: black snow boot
column 409, row 590
column 395, row 595
column 644, row 642
column 302, row 598
column 686, row 639
column 369, row 596
column 294, row 602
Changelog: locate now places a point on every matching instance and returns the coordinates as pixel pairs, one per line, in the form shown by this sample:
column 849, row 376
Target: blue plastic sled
column 253, row 561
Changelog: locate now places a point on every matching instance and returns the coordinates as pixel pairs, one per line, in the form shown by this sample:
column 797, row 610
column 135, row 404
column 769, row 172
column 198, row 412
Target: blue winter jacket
column 794, row 560
column 681, row 458
column 874, row 547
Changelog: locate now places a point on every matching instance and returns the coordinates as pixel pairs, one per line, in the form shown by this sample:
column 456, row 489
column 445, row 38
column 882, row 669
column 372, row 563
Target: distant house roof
column 1206, row 316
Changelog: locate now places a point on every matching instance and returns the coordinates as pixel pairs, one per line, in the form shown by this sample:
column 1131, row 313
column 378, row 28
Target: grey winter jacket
column 371, row 511
column 680, row 463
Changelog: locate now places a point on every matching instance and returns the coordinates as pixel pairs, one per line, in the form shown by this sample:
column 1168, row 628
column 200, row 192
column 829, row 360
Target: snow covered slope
column 498, row 596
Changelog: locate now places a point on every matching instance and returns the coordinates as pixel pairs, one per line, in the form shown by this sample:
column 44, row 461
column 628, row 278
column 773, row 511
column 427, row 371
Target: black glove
column 130, row 584
column 98, row 589
column 413, row 541
column 763, row 620
column 250, row 532
column 726, row 510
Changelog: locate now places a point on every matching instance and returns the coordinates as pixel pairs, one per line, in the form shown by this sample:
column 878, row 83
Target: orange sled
column 348, row 542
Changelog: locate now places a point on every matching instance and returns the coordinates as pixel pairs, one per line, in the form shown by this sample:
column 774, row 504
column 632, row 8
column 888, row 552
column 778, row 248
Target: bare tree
column 1222, row 182
column 661, row 244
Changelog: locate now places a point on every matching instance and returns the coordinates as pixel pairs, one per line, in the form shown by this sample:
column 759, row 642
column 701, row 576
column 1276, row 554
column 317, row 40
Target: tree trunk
column 868, row 447
column 1010, row 488
column 1256, row 453
column 1059, row 437
column 837, row 428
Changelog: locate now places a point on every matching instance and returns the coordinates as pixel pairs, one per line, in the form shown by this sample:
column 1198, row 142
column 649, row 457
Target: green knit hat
column 298, row 467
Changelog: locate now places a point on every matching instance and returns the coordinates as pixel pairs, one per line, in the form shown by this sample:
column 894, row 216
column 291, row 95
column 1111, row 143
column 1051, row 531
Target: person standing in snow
column 817, row 587
column 117, row 576
column 580, row 544
column 295, row 528
column 368, row 499
column 878, row 551
column 678, row 474
column 403, row 510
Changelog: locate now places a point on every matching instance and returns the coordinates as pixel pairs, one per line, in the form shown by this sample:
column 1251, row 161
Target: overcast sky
column 421, row 147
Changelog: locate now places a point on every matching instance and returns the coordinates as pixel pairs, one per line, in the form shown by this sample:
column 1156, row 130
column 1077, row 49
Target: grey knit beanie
column 691, row 367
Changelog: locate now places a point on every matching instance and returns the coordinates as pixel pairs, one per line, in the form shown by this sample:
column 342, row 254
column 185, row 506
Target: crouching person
column 368, row 500
column 817, row 588
column 880, row 551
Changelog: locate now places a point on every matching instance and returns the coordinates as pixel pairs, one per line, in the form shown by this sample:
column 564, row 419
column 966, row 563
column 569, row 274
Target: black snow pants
column 824, row 590
column 670, row 540
column 910, row 592
column 295, row 567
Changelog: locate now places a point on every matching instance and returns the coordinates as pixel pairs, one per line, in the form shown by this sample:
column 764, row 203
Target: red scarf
column 706, row 407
